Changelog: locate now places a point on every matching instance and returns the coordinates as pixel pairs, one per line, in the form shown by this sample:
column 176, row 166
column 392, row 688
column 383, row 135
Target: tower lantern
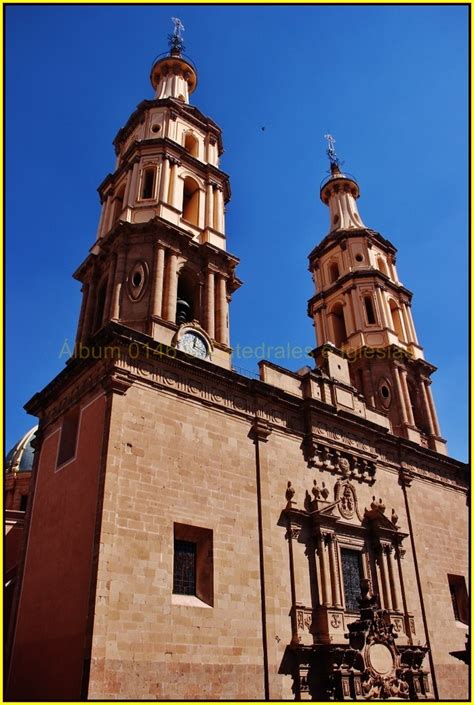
column 173, row 76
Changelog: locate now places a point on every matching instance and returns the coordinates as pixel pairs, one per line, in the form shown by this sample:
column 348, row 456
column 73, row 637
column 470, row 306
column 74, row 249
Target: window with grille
column 193, row 568
column 351, row 575
column 184, row 573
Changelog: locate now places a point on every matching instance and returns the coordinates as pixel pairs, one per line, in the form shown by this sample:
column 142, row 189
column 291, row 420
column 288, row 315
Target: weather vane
column 331, row 151
column 175, row 39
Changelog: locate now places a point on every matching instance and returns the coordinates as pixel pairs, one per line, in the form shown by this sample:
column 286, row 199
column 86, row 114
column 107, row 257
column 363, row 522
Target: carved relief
column 351, row 465
column 336, row 620
column 304, row 619
column 346, row 497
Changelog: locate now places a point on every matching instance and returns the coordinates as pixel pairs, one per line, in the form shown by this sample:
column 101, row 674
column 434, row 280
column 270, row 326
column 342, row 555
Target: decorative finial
column 175, row 39
column 331, row 152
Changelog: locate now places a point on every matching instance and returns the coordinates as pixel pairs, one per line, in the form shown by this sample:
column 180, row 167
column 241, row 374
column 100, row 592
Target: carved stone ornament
column 346, row 497
column 369, row 666
column 350, row 465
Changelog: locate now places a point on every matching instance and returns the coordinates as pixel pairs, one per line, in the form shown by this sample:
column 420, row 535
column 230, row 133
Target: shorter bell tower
column 362, row 311
column 159, row 264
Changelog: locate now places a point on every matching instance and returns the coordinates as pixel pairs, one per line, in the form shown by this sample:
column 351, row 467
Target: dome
column 20, row 457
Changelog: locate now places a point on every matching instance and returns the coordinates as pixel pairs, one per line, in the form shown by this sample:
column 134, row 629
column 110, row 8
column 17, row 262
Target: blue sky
column 389, row 82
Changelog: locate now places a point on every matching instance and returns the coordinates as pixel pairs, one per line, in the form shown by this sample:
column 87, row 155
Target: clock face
column 193, row 344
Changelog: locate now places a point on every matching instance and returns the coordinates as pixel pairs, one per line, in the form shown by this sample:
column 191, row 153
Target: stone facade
column 278, row 483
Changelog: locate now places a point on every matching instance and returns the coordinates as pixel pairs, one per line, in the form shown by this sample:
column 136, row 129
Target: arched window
column 333, row 272
column 339, row 325
column 381, row 265
column 148, row 182
column 191, row 201
column 418, row 416
column 186, row 301
column 396, row 319
column 191, row 144
column 118, row 204
column 369, row 310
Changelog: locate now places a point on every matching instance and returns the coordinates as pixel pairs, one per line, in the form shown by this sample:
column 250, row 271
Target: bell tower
column 159, row 264
column 362, row 312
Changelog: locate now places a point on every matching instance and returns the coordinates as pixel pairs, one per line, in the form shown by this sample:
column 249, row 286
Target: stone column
column 426, row 409
column 406, row 396
column 319, row 329
column 401, row 396
column 158, row 280
column 209, row 223
column 355, row 303
column 109, row 212
column 132, row 191
column 118, row 282
column 126, row 194
column 80, row 325
column 171, row 287
column 164, row 180
column 410, row 323
column 222, row 310
column 110, row 287
column 383, row 318
column 333, row 563
column 210, row 307
column 101, row 220
column 324, row 571
column 350, row 318
column 173, row 194
column 324, row 324
column 431, row 404
column 89, row 313
column 385, row 595
column 219, row 210
column 396, row 601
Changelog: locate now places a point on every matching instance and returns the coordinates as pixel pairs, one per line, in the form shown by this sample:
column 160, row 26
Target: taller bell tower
column 362, row 311
column 159, row 264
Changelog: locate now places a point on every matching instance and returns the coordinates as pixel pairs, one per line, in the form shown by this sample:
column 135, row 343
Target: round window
column 155, row 128
column 137, row 280
column 385, row 393
column 359, row 257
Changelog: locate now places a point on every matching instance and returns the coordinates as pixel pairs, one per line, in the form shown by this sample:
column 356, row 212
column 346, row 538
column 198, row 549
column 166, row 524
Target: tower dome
column 20, row 457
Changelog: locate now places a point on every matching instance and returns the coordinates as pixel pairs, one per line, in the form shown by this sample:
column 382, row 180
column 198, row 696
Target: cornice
column 154, row 229
column 321, row 424
column 192, row 114
column 335, row 236
column 375, row 274
column 170, row 149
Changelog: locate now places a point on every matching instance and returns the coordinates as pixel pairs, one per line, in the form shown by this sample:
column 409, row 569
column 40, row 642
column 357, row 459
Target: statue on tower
column 331, row 152
column 175, row 39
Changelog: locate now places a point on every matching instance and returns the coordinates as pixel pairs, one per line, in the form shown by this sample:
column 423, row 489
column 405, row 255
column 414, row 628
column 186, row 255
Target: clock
column 193, row 344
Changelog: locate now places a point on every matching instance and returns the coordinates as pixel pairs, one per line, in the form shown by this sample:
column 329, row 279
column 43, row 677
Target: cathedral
column 191, row 533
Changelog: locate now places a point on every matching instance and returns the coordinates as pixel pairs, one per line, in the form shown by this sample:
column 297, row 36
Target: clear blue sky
column 389, row 82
